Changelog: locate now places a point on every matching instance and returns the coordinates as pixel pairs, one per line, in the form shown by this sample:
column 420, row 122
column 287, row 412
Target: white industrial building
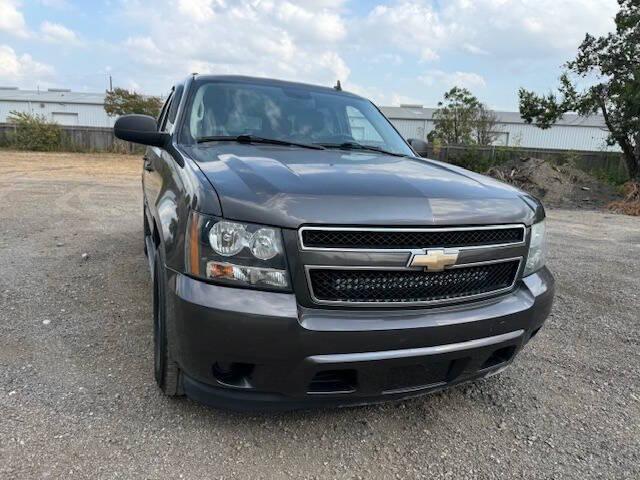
column 57, row 105
column 572, row 132
column 412, row 121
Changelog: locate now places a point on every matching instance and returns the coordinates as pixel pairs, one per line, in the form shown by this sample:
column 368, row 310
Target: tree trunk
column 631, row 153
column 633, row 167
column 631, row 156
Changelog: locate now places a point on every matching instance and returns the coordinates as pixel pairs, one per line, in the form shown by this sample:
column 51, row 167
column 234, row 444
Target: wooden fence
column 608, row 165
column 81, row 139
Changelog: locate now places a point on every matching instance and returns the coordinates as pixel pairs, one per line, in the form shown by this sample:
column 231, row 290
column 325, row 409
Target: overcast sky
column 406, row 51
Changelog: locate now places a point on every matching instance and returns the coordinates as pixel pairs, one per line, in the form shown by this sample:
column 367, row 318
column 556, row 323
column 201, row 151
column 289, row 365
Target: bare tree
column 486, row 123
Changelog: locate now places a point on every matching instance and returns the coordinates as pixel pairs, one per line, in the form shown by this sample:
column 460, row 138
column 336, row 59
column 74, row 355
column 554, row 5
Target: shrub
column 478, row 159
column 34, row 132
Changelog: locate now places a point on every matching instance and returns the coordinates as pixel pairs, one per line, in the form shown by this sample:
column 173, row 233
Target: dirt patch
column 556, row 185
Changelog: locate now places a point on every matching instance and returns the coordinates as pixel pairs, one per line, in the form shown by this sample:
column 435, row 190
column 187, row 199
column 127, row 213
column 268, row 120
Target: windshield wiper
column 254, row 139
column 360, row 146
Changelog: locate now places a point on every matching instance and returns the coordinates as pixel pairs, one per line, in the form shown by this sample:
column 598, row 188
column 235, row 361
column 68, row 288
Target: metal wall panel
column 528, row 136
column 410, row 128
column 87, row 115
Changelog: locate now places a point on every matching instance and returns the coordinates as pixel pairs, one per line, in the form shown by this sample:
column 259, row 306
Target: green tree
column 613, row 61
column 461, row 119
column 120, row 101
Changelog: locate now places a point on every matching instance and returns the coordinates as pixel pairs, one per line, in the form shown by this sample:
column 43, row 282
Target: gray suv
column 302, row 253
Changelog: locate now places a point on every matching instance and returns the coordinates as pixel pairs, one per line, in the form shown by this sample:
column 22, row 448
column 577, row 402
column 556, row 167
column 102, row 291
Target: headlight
column 228, row 238
column 537, row 249
column 235, row 253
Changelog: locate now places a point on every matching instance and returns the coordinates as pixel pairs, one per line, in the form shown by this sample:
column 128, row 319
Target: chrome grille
column 393, row 286
column 340, row 238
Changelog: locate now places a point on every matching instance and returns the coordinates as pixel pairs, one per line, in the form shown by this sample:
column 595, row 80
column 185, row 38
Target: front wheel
column 166, row 371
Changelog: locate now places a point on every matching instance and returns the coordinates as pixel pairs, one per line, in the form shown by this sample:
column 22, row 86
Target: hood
column 289, row 187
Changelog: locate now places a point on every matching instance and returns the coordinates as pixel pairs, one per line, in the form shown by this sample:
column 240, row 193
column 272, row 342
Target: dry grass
column 630, row 205
column 68, row 165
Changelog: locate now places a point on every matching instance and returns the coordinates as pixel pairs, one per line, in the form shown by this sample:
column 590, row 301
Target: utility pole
column 110, row 84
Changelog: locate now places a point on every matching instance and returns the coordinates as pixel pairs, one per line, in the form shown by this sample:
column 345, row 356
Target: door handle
column 147, row 164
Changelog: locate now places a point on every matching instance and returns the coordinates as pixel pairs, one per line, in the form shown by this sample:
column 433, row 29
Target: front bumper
column 247, row 349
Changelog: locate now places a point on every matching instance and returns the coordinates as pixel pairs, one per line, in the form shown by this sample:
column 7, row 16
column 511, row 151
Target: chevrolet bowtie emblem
column 434, row 260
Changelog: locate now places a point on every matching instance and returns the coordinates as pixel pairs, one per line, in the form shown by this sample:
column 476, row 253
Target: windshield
column 292, row 114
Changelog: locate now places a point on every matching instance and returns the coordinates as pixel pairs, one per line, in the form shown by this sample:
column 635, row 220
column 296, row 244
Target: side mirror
column 420, row 146
column 141, row 129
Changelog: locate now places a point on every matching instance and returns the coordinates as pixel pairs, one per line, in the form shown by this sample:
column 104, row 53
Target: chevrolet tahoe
column 303, row 254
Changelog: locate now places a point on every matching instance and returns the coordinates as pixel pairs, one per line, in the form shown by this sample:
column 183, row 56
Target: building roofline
column 52, row 96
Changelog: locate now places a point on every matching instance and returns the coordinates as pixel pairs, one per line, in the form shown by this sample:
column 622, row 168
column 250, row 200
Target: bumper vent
column 409, row 239
column 410, row 286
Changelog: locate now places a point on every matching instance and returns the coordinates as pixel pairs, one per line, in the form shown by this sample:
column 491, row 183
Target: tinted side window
column 163, row 113
column 173, row 109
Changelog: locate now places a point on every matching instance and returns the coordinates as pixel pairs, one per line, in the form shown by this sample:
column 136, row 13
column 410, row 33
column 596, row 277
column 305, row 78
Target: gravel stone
column 81, row 401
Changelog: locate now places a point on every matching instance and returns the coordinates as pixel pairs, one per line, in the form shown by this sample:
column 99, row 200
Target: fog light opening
column 233, row 374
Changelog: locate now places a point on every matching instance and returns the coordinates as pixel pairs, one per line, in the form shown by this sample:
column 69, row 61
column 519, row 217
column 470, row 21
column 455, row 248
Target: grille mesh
column 397, row 286
column 399, row 239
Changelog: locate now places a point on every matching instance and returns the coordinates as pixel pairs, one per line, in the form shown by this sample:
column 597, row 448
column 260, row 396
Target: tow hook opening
column 334, row 381
column 499, row 357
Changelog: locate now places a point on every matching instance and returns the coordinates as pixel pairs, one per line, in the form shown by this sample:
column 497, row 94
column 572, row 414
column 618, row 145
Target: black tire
column 167, row 373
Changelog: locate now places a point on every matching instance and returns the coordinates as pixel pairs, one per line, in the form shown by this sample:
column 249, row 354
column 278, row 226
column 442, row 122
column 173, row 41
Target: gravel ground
column 77, row 397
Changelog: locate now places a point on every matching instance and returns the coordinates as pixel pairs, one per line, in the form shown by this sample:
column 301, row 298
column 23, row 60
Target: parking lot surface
column 78, row 400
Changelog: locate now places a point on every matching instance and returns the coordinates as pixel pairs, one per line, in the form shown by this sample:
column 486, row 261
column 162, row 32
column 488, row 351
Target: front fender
column 182, row 187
